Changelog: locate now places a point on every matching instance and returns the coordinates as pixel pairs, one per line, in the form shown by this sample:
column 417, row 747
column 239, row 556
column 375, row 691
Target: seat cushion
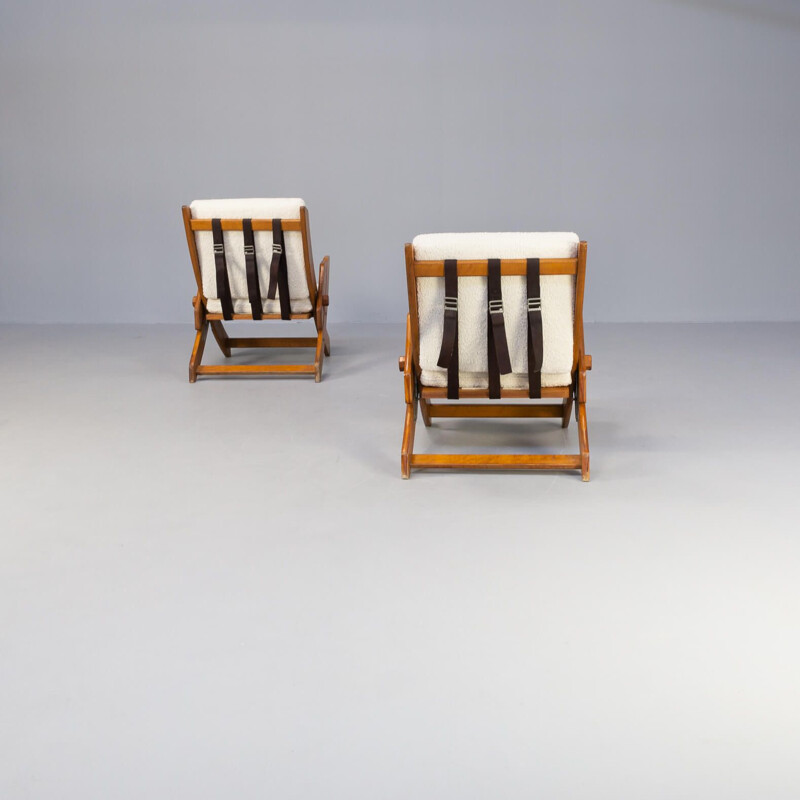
column 557, row 292
column 254, row 208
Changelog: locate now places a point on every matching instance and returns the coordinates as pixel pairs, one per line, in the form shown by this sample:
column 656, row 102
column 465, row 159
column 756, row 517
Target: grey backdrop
column 664, row 132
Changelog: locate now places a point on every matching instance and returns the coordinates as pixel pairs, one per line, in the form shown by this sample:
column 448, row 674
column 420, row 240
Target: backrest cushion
column 253, row 208
column 557, row 292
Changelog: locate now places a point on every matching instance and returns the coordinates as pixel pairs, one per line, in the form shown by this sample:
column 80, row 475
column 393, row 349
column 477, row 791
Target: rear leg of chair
column 567, row 412
column 585, row 363
column 323, row 344
column 407, row 449
column 321, row 317
column 222, row 337
column 319, row 357
column 411, row 394
column 197, row 351
column 583, row 441
column 323, row 347
column 425, row 407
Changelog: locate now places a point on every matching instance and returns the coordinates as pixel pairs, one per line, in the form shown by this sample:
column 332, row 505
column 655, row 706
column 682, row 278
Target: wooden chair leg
column 319, row 357
column 321, row 318
column 323, row 300
column 580, row 412
column 221, row 336
column 425, row 406
column 407, row 449
column 583, row 441
column 323, row 341
column 197, row 351
column 567, row 412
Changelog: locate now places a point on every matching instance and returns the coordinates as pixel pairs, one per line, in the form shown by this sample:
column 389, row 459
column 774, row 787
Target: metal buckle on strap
column 276, row 248
column 219, row 249
column 534, row 304
column 495, row 306
column 249, row 249
column 450, row 303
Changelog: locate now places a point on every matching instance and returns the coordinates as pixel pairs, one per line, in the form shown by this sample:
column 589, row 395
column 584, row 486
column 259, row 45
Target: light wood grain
column 495, row 410
column 236, row 224
column 258, row 369
column 486, row 461
column 508, row 266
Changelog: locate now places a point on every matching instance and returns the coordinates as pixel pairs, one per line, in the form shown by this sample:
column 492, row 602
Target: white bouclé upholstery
column 256, row 208
column 557, row 293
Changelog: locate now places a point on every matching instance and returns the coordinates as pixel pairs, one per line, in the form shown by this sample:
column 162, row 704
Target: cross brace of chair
column 203, row 320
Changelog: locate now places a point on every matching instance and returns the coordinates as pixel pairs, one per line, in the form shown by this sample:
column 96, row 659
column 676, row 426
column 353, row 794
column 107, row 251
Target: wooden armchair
column 252, row 261
column 482, row 307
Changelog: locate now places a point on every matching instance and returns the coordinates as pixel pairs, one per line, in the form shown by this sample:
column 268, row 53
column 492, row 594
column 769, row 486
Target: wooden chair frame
column 203, row 318
column 417, row 394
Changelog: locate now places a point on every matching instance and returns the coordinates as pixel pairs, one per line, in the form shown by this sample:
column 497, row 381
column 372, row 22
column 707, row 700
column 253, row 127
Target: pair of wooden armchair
column 492, row 317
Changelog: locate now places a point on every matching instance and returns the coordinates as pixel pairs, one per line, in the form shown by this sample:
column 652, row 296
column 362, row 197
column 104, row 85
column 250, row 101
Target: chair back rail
column 475, row 268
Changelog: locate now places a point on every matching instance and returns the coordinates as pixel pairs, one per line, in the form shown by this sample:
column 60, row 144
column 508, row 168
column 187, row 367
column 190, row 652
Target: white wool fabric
column 252, row 208
column 558, row 298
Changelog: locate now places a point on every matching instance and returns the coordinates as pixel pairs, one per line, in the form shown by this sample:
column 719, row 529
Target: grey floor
column 225, row 590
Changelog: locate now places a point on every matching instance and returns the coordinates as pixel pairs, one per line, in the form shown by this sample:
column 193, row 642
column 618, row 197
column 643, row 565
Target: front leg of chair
column 407, row 448
column 410, row 393
column 325, row 280
column 583, row 427
column 197, row 351
column 583, row 441
column 201, row 326
column 321, row 317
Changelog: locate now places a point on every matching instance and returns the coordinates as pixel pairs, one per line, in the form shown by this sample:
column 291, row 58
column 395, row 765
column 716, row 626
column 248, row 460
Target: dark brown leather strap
column 535, row 340
column 278, row 272
column 223, row 286
column 448, row 356
column 253, row 288
column 499, row 361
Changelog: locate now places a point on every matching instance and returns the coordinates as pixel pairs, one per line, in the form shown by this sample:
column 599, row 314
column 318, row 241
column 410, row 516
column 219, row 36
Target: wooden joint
column 326, row 301
column 402, row 363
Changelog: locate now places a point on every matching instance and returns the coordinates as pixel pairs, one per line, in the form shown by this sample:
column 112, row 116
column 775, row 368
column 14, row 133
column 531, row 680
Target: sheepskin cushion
column 557, row 293
column 256, row 208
